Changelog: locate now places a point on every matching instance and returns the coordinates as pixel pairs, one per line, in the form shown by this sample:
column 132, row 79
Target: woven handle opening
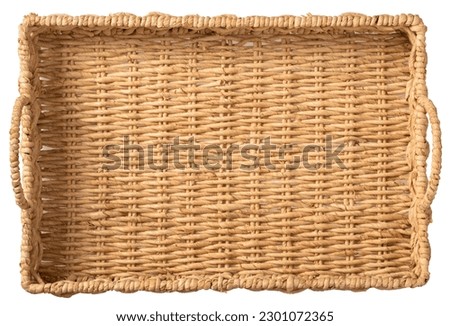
column 14, row 149
column 436, row 153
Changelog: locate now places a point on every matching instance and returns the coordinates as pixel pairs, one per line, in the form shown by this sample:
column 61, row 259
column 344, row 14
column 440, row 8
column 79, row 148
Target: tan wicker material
column 96, row 91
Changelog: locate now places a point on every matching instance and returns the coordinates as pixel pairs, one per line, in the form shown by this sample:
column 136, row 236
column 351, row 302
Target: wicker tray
column 166, row 153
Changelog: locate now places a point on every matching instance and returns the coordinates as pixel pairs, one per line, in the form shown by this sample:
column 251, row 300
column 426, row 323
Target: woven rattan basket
column 166, row 153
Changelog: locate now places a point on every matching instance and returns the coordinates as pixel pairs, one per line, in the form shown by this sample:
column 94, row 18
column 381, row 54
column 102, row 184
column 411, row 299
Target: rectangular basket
column 167, row 153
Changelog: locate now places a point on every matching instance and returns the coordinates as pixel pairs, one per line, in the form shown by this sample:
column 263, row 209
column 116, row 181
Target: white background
column 420, row 306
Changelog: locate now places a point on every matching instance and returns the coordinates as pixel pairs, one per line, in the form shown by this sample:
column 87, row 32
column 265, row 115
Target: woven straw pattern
column 88, row 82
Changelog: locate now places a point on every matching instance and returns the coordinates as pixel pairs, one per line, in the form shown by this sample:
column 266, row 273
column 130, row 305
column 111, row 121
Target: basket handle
column 436, row 154
column 14, row 146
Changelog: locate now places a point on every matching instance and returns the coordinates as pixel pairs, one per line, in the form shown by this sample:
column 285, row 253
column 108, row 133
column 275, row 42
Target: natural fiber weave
column 88, row 82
